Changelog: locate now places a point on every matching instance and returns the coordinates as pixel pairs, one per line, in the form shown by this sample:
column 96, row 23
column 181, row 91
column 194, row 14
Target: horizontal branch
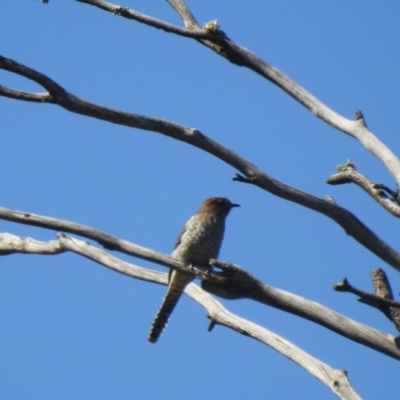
column 351, row 224
column 10, row 244
column 236, row 282
column 26, row 96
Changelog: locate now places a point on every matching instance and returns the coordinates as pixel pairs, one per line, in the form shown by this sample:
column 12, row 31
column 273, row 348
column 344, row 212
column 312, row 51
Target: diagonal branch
column 104, row 239
column 186, row 15
column 335, row 379
column 349, row 222
column 241, row 284
column 239, row 55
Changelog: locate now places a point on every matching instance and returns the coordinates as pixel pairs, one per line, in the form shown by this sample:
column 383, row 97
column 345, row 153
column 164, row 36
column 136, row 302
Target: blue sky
column 72, row 329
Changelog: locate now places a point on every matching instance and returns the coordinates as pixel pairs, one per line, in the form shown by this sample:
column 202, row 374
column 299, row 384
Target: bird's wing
column 182, row 234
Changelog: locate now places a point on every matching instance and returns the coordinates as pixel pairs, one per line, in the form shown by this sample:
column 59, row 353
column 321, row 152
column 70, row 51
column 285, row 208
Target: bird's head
column 218, row 206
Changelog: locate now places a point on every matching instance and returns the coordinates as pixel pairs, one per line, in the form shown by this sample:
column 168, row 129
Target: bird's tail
column 177, row 284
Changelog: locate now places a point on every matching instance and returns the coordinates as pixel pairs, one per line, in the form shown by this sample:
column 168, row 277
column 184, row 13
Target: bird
column 199, row 241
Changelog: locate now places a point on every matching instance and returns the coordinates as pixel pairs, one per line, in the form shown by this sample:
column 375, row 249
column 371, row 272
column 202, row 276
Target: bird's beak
column 234, row 205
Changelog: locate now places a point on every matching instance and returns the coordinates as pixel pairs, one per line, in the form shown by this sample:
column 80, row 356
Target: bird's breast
column 201, row 241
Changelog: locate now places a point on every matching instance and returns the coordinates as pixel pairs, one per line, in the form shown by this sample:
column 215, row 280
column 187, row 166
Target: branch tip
column 241, row 178
column 360, row 117
column 342, row 286
column 211, row 325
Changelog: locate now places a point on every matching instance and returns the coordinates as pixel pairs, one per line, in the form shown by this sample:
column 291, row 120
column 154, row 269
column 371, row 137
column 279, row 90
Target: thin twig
column 376, row 300
column 376, row 191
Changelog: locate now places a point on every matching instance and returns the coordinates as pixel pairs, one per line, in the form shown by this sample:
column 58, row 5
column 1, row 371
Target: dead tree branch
column 234, row 282
column 58, row 95
column 348, row 173
column 222, row 45
column 383, row 299
column 335, row 379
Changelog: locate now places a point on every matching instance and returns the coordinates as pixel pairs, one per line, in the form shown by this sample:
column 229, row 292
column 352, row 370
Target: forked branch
column 383, row 299
column 234, row 282
column 336, row 380
column 58, row 95
column 348, row 173
column 239, row 55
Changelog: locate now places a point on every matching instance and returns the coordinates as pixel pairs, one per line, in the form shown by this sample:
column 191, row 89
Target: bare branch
column 348, row 173
column 335, row 379
column 240, row 284
column 233, row 282
column 41, row 79
column 153, row 22
column 237, row 283
column 365, row 297
column 350, row 223
column 10, row 244
column 383, row 300
column 27, row 96
column 187, row 17
column 104, row 239
column 241, row 56
column 102, row 257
